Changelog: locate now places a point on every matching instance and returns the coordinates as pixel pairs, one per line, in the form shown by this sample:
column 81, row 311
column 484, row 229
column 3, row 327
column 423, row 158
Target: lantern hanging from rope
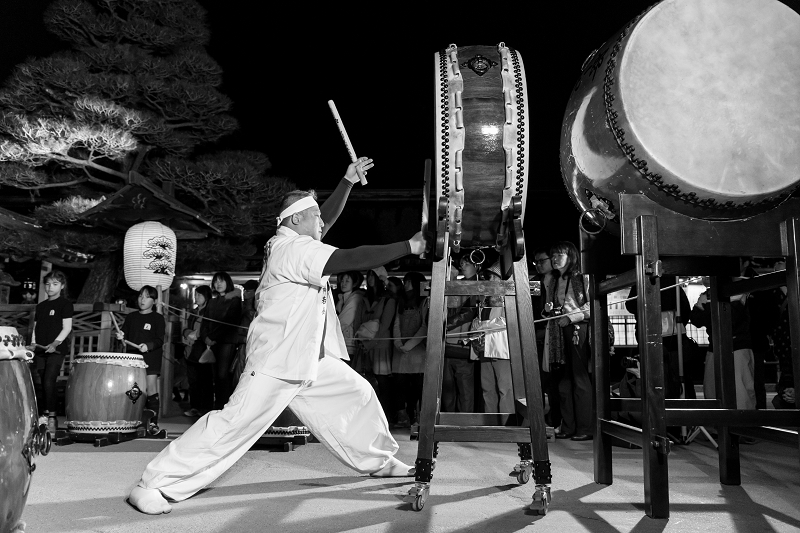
column 149, row 255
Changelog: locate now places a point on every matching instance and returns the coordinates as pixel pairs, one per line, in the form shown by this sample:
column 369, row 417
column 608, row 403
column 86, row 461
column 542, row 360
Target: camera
column 536, row 287
column 550, row 310
column 630, row 362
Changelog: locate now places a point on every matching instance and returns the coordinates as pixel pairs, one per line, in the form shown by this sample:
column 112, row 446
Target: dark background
column 282, row 64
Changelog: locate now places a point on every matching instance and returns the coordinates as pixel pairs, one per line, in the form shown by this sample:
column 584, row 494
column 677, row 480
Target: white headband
column 300, row 205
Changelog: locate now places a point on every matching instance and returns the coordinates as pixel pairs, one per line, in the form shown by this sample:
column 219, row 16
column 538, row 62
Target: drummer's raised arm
column 332, row 208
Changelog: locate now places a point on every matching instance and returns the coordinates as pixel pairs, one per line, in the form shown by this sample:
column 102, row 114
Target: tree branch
column 51, row 185
column 91, row 164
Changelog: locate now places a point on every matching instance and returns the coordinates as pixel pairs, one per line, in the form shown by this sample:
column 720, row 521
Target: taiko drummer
column 294, row 359
column 144, row 332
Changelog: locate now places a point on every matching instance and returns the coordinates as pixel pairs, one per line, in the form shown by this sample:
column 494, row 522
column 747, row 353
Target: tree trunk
column 102, row 280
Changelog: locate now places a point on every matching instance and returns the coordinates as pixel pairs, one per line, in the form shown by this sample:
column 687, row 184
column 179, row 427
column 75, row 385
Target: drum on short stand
column 481, row 162
column 21, row 437
column 694, row 104
column 104, row 393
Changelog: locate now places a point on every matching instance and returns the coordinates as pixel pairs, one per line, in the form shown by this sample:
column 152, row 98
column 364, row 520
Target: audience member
column 785, row 397
column 350, row 307
column 145, row 329
column 458, row 374
column 50, row 341
column 742, row 351
column 493, row 353
column 200, row 375
column 220, row 329
column 550, row 375
column 410, row 331
column 672, row 328
column 399, row 418
column 567, row 343
column 248, row 314
column 383, row 308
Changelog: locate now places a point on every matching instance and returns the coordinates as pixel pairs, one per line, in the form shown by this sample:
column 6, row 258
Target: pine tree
column 135, row 93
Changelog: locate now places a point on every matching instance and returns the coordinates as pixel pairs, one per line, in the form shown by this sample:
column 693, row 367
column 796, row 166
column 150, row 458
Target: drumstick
column 126, row 341
column 346, row 140
column 426, row 197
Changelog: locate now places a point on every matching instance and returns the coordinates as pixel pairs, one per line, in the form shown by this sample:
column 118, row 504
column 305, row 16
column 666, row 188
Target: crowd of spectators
column 384, row 324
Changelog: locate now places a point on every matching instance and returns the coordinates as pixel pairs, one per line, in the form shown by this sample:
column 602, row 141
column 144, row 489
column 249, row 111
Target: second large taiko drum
column 482, row 144
column 695, row 104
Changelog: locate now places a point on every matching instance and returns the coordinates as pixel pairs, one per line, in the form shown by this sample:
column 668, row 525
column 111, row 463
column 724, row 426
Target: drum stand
column 526, row 426
column 65, row 437
column 653, row 233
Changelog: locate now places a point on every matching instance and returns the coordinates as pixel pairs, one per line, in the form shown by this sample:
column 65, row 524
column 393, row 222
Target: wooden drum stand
column 526, row 426
column 665, row 242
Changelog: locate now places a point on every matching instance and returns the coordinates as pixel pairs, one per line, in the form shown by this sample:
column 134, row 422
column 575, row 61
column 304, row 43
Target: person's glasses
column 540, row 261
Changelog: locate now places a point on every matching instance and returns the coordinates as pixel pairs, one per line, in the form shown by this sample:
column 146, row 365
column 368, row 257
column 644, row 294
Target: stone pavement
column 79, row 488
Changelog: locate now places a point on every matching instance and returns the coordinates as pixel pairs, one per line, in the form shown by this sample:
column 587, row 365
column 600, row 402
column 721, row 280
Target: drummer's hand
column 563, row 322
column 120, row 336
column 363, row 164
column 419, row 243
column 209, row 342
column 51, row 348
column 143, row 347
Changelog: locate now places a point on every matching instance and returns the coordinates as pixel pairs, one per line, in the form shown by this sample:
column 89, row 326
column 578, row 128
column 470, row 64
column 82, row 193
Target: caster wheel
column 523, row 476
column 417, row 495
column 541, row 500
column 288, row 446
column 539, row 507
column 419, row 502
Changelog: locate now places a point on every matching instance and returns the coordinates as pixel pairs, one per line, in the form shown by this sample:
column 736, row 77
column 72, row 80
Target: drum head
column 711, row 91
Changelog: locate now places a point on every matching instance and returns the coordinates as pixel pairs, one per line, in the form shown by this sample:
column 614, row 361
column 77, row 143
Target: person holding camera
column 743, row 359
column 567, row 303
column 550, row 375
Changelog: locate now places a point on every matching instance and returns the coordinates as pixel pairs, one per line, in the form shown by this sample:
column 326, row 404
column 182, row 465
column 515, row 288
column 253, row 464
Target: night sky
column 282, row 64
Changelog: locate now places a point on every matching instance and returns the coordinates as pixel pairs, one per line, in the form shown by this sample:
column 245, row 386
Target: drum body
column 694, row 104
column 18, row 435
column 104, row 393
column 481, row 161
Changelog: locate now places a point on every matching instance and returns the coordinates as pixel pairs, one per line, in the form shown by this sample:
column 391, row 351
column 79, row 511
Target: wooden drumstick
column 346, row 140
column 426, row 197
column 116, row 326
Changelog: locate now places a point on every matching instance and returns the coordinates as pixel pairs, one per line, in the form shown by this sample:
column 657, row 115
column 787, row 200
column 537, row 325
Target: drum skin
column 18, row 424
column 694, row 104
column 105, row 393
column 481, row 145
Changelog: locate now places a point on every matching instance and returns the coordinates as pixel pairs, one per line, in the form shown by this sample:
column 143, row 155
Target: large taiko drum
column 104, row 393
column 481, row 163
column 695, row 104
column 21, row 437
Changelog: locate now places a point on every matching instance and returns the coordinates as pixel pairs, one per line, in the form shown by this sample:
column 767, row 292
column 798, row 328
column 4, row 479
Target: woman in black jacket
column 219, row 332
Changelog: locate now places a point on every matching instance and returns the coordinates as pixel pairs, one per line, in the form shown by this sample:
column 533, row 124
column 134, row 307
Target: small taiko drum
column 21, row 437
column 104, row 393
column 482, row 144
column 695, row 104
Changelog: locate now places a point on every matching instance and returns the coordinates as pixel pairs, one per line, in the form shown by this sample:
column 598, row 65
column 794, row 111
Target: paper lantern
column 150, row 249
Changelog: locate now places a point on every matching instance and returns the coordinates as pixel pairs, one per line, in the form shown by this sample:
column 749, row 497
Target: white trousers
column 743, row 361
column 340, row 408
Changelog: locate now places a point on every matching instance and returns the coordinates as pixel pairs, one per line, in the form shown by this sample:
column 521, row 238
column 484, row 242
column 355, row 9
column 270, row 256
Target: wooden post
column 603, row 470
column 431, row 389
column 654, row 428
column 106, row 327
column 791, row 230
column 165, row 387
column 724, row 386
